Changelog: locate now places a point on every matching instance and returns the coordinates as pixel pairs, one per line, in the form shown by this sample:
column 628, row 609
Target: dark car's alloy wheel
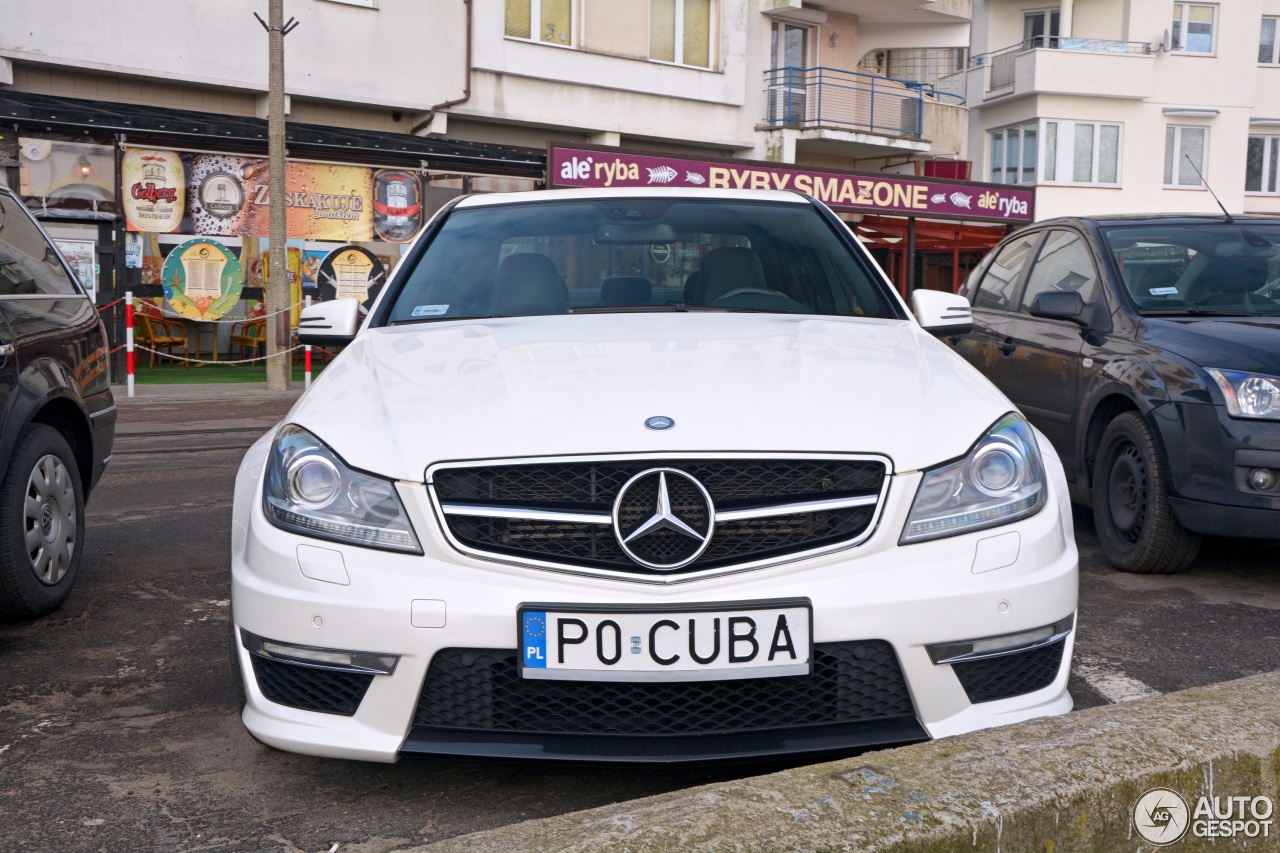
column 41, row 524
column 1136, row 526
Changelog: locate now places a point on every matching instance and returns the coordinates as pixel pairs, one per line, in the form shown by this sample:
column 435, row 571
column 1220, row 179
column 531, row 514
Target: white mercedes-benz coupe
column 646, row 475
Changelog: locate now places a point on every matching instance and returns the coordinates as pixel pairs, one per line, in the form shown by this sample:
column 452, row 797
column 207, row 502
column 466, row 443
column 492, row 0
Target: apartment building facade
column 1119, row 106
column 402, row 105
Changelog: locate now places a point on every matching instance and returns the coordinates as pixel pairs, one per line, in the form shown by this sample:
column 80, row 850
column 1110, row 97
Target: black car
column 57, row 416
column 1147, row 349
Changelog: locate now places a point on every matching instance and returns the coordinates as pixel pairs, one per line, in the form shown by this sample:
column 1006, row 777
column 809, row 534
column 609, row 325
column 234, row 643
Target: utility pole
column 279, row 367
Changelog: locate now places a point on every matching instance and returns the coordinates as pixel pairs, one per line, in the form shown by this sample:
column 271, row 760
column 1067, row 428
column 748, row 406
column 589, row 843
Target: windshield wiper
column 626, row 309
column 1197, row 311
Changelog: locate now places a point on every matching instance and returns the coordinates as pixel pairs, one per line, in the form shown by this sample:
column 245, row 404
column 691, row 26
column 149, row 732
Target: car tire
column 1131, row 512
column 41, row 524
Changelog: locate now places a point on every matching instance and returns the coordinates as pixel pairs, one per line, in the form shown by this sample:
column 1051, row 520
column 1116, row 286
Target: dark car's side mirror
column 1059, row 305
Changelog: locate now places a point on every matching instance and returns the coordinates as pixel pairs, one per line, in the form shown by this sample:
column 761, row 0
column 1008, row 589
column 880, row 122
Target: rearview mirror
column 1059, row 305
column 329, row 323
column 635, row 233
column 942, row 313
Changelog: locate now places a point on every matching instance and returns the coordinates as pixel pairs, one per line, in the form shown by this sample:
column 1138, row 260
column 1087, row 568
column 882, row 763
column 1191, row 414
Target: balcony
column 1063, row 66
column 858, row 114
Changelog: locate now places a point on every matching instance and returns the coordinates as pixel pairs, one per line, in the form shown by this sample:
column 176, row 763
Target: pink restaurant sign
column 862, row 192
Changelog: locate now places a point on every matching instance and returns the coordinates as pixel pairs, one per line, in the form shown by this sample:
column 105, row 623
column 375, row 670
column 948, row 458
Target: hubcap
column 1127, row 492
column 49, row 530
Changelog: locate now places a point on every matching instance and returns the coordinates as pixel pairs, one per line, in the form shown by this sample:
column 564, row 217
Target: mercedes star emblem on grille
column 660, row 422
column 663, row 518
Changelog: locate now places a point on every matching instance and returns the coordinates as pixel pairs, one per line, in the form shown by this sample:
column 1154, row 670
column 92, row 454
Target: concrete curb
column 1054, row 785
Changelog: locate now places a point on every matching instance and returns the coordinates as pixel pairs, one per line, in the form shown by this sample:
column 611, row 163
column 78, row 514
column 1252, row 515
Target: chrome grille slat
column 558, row 514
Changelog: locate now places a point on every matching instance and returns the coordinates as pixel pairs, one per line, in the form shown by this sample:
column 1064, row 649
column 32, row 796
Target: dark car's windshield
column 1201, row 268
column 636, row 254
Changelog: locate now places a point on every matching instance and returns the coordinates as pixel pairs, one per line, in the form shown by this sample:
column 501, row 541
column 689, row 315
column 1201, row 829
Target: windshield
column 636, row 254
column 1202, row 268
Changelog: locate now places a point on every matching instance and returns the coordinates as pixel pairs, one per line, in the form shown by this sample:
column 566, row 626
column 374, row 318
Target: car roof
column 488, row 199
column 1109, row 219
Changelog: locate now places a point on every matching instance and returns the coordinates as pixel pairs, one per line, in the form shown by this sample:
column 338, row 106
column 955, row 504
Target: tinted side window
column 28, row 264
column 998, row 285
column 1063, row 264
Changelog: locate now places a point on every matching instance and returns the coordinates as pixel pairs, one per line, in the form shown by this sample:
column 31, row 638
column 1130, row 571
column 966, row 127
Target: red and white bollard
column 306, row 361
column 128, row 341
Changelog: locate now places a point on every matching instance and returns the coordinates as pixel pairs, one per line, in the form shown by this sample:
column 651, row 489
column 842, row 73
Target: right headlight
column 999, row 481
column 310, row 490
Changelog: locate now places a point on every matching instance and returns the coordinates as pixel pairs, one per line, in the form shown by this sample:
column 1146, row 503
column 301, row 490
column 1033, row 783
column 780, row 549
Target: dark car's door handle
column 1008, row 346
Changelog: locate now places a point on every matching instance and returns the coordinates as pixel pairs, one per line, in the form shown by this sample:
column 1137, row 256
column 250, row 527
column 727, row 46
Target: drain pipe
column 466, row 90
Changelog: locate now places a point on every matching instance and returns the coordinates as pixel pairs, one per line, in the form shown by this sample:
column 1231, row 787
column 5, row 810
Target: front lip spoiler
column 666, row 749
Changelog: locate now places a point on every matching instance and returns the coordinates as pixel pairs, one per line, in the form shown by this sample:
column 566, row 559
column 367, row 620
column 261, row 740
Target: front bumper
column 905, row 598
column 1209, row 455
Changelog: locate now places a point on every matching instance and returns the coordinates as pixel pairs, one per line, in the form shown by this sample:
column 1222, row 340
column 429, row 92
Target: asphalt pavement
column 118, row 729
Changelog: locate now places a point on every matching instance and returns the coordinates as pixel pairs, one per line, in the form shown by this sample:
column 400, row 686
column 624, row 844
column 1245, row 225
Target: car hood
column 1232, row 343
column 402, row 398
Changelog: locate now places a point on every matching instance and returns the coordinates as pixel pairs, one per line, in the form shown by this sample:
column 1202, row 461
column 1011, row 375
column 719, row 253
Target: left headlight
column 1249, row 395
column 999, row 481
column 310, row 490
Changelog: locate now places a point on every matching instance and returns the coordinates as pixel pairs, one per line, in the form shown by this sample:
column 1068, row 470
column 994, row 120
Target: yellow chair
column 249, row 336
column 162, row 336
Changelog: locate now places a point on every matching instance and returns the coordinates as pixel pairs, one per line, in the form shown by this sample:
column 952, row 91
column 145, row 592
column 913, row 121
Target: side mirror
column 329, row 323
column 942, row 314
column 1059, row 305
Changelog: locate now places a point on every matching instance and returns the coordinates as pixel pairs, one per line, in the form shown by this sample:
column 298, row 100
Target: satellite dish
column 1165, row 44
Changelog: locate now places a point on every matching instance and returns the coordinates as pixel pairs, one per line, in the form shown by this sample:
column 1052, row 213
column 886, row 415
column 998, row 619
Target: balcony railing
column 1002, row 61
column 847, row 100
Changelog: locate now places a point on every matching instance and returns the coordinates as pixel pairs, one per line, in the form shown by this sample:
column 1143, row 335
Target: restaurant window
column 1013, row 154
column 680, row 31
column 1184, row 155
column 553, row 20
column 1267, row 52
column 1081, row 152
column 1193, row 27
column 1260, row 164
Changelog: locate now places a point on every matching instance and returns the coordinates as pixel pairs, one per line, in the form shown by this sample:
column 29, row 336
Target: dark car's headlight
column 999, row 481
column 1249, row 395
column 310, row 490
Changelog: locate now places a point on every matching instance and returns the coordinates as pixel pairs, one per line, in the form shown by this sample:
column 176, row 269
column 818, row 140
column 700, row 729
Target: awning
column 160, row 127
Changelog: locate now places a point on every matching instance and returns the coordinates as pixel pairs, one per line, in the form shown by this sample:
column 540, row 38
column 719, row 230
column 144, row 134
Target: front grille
column 481, row 690
column 1006, row 676
column 311, row 689
column 593, row 487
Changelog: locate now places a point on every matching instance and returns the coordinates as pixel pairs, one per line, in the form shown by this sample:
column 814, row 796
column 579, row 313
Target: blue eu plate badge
column 533, row 639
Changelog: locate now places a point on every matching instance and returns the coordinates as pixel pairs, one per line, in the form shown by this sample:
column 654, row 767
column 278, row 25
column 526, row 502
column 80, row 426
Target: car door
column 1037, row 364
column 994, row 299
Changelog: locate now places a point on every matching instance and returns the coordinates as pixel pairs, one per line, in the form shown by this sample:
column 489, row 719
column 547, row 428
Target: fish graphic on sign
column 694, row 178
column 662, row 175
column 960, row 200
column 938, row 198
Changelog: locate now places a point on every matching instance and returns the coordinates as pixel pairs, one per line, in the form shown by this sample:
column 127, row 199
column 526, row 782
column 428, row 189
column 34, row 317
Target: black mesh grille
column 481, row 689
column 310, row 689
column 593, row 487
column 1010, row 675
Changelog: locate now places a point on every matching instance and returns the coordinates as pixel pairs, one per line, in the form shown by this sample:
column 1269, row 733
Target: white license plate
column 702, row 643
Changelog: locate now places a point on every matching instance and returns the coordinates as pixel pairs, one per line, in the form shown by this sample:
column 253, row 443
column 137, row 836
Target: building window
column 1040, row 29
column 1193, row 25
column 1184, row 154
column 1267, row 43
column 553, row 19
column 1261, row 164
column 1013, row 154
column 680, row 31
column 1080, row 152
